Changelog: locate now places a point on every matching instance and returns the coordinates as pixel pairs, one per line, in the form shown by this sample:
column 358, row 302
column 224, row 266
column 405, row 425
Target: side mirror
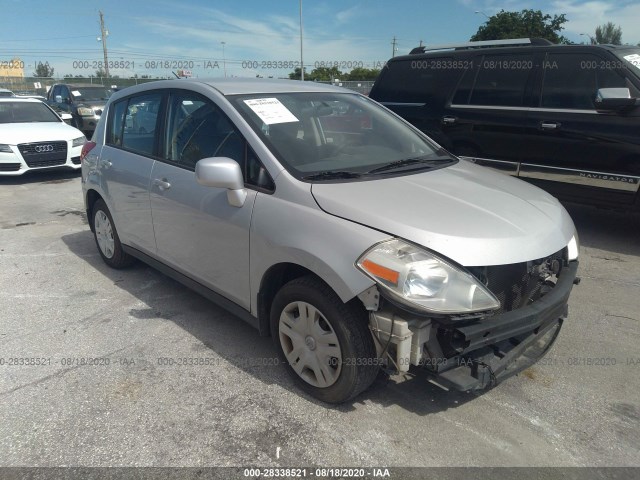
column 222, row 172
column 614, row 99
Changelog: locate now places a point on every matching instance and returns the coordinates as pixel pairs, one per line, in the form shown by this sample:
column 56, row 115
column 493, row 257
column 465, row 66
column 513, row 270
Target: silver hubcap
column 104, row 234
column 310, row 344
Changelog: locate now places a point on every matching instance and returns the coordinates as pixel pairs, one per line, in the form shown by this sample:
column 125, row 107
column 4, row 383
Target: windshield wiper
column 409, row 161
column 331, row 175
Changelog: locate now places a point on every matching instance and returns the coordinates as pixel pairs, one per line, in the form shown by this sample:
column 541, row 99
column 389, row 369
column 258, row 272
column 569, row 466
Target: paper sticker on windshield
column 633, row 59
column 271, row 111
column 75, row 93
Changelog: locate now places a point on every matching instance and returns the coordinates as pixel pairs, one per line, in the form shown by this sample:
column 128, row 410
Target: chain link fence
column 40, row 85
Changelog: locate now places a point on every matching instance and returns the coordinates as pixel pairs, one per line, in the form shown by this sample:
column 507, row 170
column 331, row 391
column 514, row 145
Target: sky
column 246, row 38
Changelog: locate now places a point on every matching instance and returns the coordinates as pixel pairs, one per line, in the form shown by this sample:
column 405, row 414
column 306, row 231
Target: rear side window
column 423, row 80
column 502, row 80
column 571, row 80
column 133, row 122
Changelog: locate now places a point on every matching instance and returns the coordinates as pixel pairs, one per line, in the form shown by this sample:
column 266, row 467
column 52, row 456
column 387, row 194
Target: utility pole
column 393, row 43
column 421, row 43
column 224, row 59
column 104, row 33
column 301, row 61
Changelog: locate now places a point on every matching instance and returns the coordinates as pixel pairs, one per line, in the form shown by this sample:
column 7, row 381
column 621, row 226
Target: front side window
column 198, row 129
column 323, row 136
column 571, row 80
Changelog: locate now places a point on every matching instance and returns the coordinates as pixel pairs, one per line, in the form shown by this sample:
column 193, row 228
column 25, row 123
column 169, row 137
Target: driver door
column 197, row 231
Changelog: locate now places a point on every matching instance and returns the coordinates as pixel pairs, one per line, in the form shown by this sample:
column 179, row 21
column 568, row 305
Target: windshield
column 90, row 93
column 26, row 112
column 632, row 57
column 325, row 136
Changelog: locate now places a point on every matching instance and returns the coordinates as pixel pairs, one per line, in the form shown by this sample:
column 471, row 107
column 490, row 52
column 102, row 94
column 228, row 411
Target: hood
column 470, row 214
column 99, row 104
column 15, row 133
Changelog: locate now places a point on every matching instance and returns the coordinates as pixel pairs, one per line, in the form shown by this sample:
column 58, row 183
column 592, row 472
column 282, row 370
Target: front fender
column 302, row 234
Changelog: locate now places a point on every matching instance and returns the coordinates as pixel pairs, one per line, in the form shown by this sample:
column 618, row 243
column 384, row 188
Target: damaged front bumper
column 477, row 354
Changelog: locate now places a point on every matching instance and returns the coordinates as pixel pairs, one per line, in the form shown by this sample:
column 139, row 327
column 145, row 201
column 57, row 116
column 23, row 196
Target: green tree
column 524, row 24
column 363, row 74
column 325, row 74
column 609, row 33
column 295, row 75
column 43, row 70
column 101, row 73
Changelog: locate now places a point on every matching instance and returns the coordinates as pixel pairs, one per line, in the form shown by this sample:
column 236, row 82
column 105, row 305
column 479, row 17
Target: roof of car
column 468, row 49
column 235, row 86
column 81, row 85
column 20, row 99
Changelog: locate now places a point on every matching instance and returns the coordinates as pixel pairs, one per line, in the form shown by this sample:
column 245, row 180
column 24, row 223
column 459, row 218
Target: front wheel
column 325, row 344
column 106, row 236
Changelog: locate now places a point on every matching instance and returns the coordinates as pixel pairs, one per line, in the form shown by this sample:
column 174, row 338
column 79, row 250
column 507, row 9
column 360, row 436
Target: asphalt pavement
column 100, row 367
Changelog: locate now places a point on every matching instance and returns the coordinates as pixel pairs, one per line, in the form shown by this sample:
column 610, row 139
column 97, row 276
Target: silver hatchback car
column 333, row 225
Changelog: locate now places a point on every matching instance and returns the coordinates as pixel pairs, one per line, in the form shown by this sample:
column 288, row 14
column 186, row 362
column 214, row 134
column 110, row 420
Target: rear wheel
column 106, row 236
column 325, row 344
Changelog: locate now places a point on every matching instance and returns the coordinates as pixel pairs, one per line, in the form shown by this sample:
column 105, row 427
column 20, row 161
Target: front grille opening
column 44, row 154
column 520, row 284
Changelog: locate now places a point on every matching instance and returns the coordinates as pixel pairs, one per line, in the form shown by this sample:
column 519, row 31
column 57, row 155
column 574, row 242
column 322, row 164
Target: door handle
column 550, row 125
column 162, row 184
column 449, row 120
column 105, row 163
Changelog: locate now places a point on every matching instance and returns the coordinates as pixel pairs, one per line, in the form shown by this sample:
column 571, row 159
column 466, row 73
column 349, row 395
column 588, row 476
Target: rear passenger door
column 487, row 117
column 579, row 152
column 197, row 232
column 125, row 164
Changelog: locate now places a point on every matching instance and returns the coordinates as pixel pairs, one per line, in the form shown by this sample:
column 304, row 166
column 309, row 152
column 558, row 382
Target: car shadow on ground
column 610, row 230
column 40, row 176
column 240, row 344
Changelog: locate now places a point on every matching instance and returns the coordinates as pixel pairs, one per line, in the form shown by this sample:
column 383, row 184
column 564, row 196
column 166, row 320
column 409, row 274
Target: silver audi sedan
column 334, row 226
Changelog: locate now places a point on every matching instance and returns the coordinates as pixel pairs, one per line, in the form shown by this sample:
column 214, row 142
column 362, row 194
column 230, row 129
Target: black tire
column 106, row 237
column 357, row 368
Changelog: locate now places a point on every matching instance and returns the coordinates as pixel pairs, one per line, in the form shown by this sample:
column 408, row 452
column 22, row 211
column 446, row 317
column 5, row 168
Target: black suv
column 84, row 101
column 565, row 117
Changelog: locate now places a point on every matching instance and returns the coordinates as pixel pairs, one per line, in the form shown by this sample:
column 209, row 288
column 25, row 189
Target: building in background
column 12, row 68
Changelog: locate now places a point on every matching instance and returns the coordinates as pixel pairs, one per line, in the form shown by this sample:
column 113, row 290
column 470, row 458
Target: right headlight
column 421, row 279
column 85, row 112
column 5, row 148
column 78, row 142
